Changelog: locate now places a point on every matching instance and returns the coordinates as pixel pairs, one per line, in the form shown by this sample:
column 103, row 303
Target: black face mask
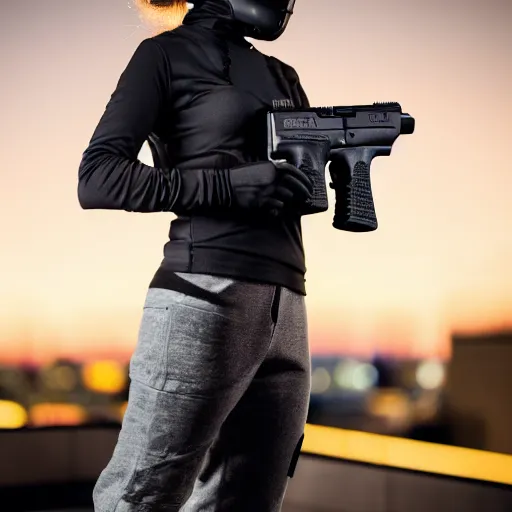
column 261, row 19
column 266, row 19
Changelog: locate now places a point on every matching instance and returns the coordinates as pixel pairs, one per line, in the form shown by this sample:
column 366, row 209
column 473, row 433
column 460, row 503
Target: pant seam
column 276, row 296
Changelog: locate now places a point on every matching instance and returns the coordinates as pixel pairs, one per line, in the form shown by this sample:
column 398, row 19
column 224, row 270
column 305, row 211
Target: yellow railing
column 406, row 454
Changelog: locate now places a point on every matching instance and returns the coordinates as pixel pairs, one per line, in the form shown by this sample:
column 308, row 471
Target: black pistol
column 350, row 137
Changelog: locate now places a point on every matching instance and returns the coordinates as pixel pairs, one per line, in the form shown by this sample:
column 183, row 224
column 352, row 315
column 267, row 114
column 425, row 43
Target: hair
column 162, row 15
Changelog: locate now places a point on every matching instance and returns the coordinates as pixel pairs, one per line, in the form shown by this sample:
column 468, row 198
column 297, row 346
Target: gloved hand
column 269, row 186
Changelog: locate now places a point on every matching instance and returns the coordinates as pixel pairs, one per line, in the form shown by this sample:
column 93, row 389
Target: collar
column 216, row 15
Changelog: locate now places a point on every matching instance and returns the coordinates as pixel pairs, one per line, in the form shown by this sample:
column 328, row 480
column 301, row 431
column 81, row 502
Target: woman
column 220, row 374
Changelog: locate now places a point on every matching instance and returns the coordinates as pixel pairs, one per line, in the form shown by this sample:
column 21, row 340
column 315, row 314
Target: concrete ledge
column 59, row 467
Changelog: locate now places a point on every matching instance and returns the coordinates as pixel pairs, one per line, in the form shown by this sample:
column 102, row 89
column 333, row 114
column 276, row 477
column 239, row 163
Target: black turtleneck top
column 201, row 92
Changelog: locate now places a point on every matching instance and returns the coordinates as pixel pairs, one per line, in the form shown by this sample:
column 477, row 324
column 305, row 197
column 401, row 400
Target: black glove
column 269, row 186
column 263, row 186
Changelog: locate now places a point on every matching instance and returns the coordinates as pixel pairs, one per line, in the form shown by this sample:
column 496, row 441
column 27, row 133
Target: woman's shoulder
column 291, row 76
column 190, row 52
column 176, row 38
column 286, row 69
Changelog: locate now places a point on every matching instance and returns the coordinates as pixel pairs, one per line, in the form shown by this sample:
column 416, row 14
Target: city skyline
column 73, row 282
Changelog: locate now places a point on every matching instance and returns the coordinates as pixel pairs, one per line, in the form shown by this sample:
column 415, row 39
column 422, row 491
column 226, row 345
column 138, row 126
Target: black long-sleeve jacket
column 202, row 91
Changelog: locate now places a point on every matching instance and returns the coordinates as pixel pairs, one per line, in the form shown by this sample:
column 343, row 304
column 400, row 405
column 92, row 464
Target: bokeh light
column 430, row 374
column 12, row 415
column 107, row 377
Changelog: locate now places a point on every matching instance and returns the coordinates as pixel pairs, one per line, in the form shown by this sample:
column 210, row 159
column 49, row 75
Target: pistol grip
column 310, row 155
column 350, row 173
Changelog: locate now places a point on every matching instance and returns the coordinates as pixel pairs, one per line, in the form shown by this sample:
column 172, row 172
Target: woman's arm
column 111, row 176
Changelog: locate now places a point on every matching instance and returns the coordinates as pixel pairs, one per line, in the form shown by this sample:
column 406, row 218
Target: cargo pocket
column 148, row 363
column 164, row 442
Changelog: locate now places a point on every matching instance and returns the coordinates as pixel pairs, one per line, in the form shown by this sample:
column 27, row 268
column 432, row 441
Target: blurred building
column 478, row 391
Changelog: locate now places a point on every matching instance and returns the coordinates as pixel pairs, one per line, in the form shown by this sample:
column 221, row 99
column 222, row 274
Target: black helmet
column 266, row 19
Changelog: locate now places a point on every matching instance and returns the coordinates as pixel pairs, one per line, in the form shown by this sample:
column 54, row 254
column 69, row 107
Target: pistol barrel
column 407, row 125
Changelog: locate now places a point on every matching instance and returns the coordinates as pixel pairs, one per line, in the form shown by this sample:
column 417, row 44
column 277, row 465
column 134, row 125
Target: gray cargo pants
column 217, row 404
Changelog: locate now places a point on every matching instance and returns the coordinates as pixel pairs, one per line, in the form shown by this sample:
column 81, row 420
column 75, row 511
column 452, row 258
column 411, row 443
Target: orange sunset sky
column 73, row 282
